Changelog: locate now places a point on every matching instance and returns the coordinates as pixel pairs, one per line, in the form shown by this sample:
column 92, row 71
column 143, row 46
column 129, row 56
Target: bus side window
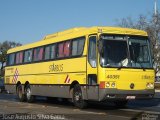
column 50, row 52
column 92, row 51
column 28, row 56
column 60, row 50
column 74, row 47
column 77, row 46
column 11, row 59
column 67, row 48
column 53, row 51
column 47, row 52
column 38, row 54
column 19, row 57
column 80, row 45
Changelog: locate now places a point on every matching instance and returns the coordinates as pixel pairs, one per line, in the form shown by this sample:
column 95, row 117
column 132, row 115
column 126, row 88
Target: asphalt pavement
column 42, row 109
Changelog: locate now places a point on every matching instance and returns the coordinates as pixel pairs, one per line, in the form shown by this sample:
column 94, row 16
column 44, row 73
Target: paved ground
column 11, row 108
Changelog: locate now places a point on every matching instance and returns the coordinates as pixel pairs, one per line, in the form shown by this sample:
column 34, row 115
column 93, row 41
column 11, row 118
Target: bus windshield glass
column 125, row 51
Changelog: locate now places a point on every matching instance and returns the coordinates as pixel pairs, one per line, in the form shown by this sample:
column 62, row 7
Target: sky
column 28, row 21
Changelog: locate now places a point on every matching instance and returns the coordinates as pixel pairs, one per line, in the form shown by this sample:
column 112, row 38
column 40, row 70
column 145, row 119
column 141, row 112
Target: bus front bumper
column 105, row 94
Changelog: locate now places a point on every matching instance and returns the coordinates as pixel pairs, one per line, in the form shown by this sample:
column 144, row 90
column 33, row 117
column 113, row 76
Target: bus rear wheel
column 28, row 92
column 78, row 98
column 20, row 94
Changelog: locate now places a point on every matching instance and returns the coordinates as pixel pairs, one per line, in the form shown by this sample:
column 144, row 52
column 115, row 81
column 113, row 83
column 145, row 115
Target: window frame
column 44, row 50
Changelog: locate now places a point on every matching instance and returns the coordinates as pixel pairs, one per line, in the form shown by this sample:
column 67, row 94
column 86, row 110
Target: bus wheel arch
column 73, row 83
column 71, row 88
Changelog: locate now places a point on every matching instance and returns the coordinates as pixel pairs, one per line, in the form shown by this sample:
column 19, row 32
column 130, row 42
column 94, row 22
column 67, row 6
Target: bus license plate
column 130, row 97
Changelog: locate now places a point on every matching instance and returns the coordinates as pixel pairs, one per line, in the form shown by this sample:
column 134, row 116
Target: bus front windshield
column 125, row 51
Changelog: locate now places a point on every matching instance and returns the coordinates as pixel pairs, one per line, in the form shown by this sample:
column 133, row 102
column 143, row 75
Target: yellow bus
column 83, row 64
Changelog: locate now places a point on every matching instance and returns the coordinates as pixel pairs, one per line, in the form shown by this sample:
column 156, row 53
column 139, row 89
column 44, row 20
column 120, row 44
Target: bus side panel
column 51, row 78
column 51, row 90
column 10, row 88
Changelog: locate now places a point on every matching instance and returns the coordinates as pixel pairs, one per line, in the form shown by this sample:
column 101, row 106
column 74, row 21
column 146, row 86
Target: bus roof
column 78, row 32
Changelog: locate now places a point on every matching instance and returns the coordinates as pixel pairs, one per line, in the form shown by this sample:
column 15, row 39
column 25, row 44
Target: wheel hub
column 28, row 93
column 77, row 96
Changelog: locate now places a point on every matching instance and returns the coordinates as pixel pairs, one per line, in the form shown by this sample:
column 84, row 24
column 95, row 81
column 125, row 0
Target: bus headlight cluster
column 110, row 84
column 150, row 85
column 113, row 84
column 107, row 84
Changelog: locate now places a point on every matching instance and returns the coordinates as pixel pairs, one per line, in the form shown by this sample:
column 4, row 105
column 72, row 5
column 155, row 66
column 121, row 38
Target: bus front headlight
column 113, row 85
column 110, row 84
column 150, row 85
column 107, row 84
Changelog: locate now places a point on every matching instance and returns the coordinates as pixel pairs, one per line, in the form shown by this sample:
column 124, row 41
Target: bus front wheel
column 20, row 94
column 78, row 98
column 28, row 92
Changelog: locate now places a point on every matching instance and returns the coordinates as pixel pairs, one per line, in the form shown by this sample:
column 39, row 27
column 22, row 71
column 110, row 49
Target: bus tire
column 20, row 94
column 121, row 103
column 78, row 97
column 28, row 93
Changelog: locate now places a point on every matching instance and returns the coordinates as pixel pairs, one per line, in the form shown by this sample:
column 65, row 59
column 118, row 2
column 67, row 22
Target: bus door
column 92, row 87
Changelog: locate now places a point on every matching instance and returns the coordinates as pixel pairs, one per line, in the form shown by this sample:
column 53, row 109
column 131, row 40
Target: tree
column 3, row 50
column 150, row 24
